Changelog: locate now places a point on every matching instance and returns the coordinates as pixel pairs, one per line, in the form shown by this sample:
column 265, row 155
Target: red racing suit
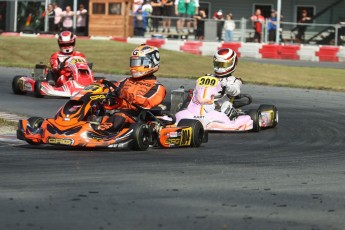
column 146, row 93
column 55, row 60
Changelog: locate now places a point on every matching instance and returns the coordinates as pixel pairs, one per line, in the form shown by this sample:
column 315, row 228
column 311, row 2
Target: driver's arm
column 152, row 98
column 232, row 86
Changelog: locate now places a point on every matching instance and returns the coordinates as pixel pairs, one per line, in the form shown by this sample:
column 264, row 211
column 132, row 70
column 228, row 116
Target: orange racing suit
column 146, row 93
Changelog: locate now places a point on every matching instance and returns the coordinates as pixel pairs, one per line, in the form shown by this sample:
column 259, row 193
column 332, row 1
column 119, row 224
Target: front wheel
column 141, row 137
column 255, row 115
column 198, row 133
column 37, row 90
column 35, row 123
column 271, row 115
column 15, row 86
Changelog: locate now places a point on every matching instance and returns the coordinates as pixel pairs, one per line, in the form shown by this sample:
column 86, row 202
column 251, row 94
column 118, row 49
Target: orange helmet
column 144, row 61
column 224, row 62
column 66, row 42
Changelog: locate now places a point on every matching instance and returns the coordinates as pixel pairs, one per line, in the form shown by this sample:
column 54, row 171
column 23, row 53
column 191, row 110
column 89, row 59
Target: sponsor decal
column 96, row 97
column 199, row 117
column 60, row 141
column 182, row 138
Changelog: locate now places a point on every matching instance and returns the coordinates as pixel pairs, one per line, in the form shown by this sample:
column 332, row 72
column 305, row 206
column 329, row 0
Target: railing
column 323, row 34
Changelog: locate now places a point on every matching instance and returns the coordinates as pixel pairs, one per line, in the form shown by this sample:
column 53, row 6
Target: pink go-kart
column 219, row 112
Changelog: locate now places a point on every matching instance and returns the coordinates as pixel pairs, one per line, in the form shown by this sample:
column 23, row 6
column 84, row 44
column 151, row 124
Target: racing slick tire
column 34, row 122
column 15, row 86
column 269, row 108
column 37, row 90
column 255, row 115
column 198, row 133
column 141, row 137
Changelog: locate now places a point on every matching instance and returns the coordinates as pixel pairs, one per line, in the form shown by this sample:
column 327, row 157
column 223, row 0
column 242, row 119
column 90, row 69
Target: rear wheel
column 35, row 123
column 37, row 90
column 274, row 110
column 141, row 137
column 255, row 115
column 198, row 133
column 15, row 86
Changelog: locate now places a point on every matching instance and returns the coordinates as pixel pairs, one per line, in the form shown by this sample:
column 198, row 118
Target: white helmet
column 224, row 62
column 66, row 42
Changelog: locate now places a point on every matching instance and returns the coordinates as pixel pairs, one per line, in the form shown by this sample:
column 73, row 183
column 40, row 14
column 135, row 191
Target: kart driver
column 141, row 90
column 60, row 72
column 224, row 64
column 204, row 101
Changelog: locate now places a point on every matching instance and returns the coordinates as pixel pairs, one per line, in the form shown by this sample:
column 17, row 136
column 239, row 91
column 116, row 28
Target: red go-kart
column 79, row 77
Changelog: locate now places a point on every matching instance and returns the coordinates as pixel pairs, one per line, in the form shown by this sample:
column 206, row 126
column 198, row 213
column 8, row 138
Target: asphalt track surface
column 290, row 177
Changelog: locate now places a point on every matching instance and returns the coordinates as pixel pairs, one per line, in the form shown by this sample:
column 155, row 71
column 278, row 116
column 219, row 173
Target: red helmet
column 66, row 42
column 224, row 62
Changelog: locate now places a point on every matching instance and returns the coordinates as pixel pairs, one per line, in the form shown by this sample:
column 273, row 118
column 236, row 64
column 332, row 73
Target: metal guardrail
column 244, row 32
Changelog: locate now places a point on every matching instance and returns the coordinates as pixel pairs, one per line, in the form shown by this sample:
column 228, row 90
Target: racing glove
column 129, row 97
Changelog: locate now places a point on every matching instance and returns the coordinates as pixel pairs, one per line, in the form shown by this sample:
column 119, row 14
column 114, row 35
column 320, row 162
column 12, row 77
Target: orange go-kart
column 77, row 124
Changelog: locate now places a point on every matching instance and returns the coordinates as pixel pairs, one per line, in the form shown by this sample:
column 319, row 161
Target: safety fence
column 314, row 33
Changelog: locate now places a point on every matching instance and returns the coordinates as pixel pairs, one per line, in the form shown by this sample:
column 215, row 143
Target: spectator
column 57, row 17
column 136, row 5
column 200, row 25
column 181, row 12
column 148, row 9
column 302, row 28
column 51, row 14
column 156, row 13
column 272, row 26
column 67, row 19
column 220, row 22
column 229, row 27
column 81, row 20
column 192, row 9
column 168, row 8
column 140, row 22
column 258, row 20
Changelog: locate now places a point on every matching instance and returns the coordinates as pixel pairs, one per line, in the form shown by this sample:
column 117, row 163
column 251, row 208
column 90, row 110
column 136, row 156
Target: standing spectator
column 220, row 22
column 229, row 27
column 302, row 28
column 258, row 21
column 272, row 26
column 192, row 9
column 51, row 17
column 200, row 25
column 81, row 20
column 49, row 12
column 57, row 17
column 148, row 9
column 67, row 19
column 156, row 13
column 181, row 12
column 168, row 8
column 136, row 5
column 140, row 22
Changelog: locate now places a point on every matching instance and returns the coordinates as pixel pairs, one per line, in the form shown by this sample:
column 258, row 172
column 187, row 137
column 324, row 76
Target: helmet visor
column 225, row 64
column 139, row 61
column 66, row 44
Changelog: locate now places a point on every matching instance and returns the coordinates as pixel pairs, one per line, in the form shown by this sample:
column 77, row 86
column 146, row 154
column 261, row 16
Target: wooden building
column 110, row 18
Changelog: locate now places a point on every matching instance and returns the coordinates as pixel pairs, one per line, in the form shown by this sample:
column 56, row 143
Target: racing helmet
column 66, row 41
column 144, row 61
column 224, row 62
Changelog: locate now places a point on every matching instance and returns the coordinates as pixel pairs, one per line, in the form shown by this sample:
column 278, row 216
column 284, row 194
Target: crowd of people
column 62, row 20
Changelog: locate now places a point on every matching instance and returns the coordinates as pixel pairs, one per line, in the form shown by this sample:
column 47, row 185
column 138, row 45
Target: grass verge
column 4, row 123
column 113, row 57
